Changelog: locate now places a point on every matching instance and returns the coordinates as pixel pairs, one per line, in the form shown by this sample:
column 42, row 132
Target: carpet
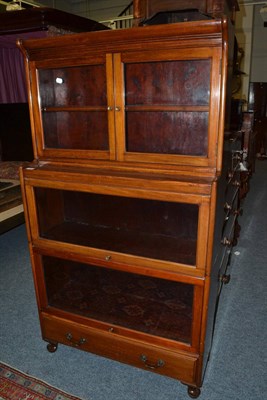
column 15, row 385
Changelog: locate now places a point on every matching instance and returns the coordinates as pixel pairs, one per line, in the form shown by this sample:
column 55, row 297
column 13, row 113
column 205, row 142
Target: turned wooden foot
column 193, row 392
column 52, row 347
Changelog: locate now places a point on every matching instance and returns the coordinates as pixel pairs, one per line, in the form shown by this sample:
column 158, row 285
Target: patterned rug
column 15, row 385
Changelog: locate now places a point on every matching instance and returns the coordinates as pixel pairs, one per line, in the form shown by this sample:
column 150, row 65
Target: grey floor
column 238, row 366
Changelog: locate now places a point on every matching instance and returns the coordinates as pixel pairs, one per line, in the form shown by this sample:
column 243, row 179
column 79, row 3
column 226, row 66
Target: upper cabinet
column 139, row 96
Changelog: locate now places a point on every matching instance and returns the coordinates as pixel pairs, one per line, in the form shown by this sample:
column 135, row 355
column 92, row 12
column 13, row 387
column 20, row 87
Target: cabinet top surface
column 113, row 40
column 103, row 174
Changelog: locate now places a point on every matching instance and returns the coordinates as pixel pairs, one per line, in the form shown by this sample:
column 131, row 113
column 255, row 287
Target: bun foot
column 52, row 347
column 193, row 392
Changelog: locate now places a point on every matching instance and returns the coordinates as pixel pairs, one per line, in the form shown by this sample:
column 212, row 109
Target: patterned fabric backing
column 151, row 305
column 10, row 169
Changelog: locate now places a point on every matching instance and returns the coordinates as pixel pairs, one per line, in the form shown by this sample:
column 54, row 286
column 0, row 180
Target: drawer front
column 178, row 365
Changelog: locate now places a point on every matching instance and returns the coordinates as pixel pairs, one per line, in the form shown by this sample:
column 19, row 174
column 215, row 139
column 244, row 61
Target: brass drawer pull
column 225, row 278
column 227, row 207
column 229, row 175
column 76, row 343
column 236, row 183
column 238, row 212
column 108, row 258
column 159, row 363
column 226, row 242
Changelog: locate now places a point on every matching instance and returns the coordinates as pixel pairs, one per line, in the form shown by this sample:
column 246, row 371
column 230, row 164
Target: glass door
column 114, row 298
column 154, row 229
column 74, row 104
column 169, row 107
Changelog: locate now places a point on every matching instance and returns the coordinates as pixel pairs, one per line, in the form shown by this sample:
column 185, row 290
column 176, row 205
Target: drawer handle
column 158, row 364
column 226, row 242
column 225, row 278
column 108, row 258
column 227, row 207
column 229, row 175
column 236, row 183
column 76, row 343
column 238, row 212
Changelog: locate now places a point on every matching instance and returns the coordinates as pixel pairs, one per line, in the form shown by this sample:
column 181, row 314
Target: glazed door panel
column 153, row 229
column 121, row 225
column 153, row 306
column 168, row 108
column 140, row 107
column 73, row 106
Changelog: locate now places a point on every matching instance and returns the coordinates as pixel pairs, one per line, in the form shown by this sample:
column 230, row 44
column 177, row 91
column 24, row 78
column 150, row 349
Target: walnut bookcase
column 130, row 225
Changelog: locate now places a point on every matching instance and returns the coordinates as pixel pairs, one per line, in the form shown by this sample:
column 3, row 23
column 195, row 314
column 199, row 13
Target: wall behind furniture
column 97, row 10
column 259, row 48
column 252, row 37
column 244, row 34
column 251, row 34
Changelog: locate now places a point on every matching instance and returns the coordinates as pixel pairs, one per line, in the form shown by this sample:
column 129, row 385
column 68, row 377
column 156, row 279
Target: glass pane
column 76, row 130
column 182, row 82
column 149, row 228
column 167, row 132
column 151, row 305
column 73, row 86
column 152, row 91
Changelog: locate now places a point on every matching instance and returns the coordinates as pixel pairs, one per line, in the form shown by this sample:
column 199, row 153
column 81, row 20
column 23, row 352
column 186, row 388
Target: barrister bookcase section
column 146, row 96
column 121, row 199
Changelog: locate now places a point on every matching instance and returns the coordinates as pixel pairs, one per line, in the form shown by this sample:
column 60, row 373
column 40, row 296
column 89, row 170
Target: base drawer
column 169, row 362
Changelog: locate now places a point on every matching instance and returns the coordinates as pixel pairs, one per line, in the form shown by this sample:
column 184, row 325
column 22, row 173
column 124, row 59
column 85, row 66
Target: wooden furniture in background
column 45, row 19
column 158, row 11
column 15, row 132
column 257, row 103
column 131, row 204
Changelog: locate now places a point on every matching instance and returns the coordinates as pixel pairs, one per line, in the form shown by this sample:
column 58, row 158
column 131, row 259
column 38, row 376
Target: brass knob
column 108, row 258
column 117, row 108
column 109, row 108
